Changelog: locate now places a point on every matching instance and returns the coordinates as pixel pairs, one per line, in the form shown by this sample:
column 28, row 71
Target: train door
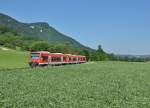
column 62, row 59
column 45, row 59
column 49, row 59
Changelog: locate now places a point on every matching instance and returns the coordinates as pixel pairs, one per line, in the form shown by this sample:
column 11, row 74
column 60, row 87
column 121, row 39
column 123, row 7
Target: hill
column 134, row 57
column 39, row 30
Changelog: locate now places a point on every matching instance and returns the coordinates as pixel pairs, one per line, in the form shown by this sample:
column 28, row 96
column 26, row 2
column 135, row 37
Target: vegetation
column 11, row 39
column 10, row 59
column 90, row 85
column 40, row 36
column 132, row 58
column 39, row 30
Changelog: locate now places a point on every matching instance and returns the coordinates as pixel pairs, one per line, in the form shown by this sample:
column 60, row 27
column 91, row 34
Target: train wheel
column 33, row 65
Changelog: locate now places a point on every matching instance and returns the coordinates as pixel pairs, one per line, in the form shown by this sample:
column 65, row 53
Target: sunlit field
column 91, row 85
column 10, row 59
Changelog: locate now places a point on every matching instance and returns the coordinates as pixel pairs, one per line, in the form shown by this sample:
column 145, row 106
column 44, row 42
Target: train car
column 82, row 59
column 57, row 58
column 43, row 58
column 38, row 58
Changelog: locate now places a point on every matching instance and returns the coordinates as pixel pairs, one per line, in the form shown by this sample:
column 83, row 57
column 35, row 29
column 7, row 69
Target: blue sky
column 120, row 26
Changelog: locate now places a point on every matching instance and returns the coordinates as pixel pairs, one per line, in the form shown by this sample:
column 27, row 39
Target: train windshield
column 35, row 55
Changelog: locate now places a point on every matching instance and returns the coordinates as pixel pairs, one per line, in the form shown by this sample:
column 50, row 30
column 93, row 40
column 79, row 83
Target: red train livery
column 43, row 58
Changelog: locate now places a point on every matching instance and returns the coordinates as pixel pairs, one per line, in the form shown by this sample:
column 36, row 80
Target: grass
column 13, row 59
column 91, row 85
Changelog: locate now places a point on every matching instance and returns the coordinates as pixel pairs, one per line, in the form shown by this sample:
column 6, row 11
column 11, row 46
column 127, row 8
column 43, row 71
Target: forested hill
column 39, row 30
column 40, row 36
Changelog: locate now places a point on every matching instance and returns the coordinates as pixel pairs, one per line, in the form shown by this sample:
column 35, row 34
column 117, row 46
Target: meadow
column 90, row 85
column 10, row 59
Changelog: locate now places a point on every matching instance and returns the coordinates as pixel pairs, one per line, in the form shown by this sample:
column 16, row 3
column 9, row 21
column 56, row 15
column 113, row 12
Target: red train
column 43, row 58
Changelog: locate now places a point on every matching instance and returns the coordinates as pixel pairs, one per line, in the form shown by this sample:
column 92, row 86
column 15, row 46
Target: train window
column 70, row 58
column 64, row 58
column 74, row 59
column 35, row 55
column 56, row 59
column 52, row 59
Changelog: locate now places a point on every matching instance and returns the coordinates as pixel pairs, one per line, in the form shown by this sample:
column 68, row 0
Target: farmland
column 91, row 85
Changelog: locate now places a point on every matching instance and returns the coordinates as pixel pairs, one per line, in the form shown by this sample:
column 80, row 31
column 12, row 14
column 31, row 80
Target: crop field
column 13, row 59
column 91, row 85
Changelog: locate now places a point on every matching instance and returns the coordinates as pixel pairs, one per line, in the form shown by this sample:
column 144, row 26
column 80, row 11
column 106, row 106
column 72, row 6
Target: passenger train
column 44, row 58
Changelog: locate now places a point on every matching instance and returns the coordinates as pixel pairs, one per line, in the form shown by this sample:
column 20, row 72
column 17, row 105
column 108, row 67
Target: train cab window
column 35, row 55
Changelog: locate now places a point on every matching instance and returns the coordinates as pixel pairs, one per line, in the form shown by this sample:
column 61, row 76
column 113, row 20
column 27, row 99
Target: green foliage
column 40, row 36
column 132, row 59
column 99, row 55
column 91, row 85
column 39, row 30
column 11, row 39
column 40, row 46
column 5, row 29
column 62, row 48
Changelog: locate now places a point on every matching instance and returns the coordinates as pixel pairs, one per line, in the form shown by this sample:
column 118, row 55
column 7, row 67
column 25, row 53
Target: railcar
column 44, row 58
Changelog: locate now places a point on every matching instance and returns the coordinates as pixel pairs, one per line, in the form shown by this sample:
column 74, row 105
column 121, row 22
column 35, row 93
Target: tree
column 39, row 45
column 5, row 29
column 100, row 49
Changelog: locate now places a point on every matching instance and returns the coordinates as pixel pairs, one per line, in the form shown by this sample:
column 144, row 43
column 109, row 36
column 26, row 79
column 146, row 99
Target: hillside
column 10, row 59
column 40, row 30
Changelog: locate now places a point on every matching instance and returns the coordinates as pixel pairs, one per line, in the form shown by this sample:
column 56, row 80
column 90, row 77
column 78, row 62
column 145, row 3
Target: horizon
column 123, row 27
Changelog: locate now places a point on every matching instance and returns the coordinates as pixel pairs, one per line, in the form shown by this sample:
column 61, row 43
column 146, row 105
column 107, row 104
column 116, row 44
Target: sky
column 119, row 26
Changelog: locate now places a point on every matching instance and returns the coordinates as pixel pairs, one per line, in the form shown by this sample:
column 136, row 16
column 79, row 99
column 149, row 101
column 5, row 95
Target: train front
column 38, row 58
column 35, row 59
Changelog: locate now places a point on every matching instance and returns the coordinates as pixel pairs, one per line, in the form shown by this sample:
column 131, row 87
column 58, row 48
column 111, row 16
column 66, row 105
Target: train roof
column 56, row 53
column 40, row 52
column 46, row 52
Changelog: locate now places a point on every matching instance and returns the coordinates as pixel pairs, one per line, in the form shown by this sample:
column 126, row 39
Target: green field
column 91, row 85
column 13, row 59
